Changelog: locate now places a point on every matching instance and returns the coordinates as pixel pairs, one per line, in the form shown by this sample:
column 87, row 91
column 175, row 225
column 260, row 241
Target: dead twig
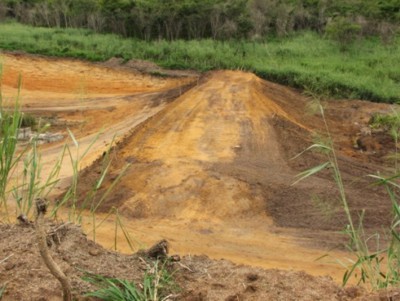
column 5, row 259
column 185, row 267
column 53, row 231
column 41, row 208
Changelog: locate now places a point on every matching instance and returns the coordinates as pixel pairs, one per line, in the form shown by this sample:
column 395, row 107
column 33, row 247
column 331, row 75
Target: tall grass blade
column 318, row 146
column 2, row 290
column 312, row 171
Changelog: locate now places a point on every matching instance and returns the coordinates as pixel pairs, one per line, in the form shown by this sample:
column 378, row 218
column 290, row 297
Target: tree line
column 216, row 19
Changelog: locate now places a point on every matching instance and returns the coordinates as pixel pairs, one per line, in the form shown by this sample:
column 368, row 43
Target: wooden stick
column 41, row 208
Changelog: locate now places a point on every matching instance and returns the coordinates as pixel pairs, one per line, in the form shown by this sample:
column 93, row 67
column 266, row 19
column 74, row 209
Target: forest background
column 217, row 19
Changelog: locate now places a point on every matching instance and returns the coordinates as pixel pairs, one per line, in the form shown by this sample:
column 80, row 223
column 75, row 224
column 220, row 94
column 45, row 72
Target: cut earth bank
column 209, row 157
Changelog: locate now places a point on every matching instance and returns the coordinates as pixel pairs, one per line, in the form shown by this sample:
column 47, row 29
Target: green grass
column 158, row 283
column 366, row 70
column 9, row 125
column 26, row 120
column 2, row 290
column 385, row 121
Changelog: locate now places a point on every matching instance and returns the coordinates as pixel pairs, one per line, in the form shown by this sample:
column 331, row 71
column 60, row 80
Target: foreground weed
column 70, row 197
column 119, row 224
column 2, row 290
column 94, row 207
column 156, row 284
column 114, row 289
column 21, row 179
column 9, row 125
column 26, row 185
column 391, row 273
column 369, row 265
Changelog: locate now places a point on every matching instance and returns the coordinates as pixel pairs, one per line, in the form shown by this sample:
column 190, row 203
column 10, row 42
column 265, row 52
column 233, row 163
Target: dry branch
column 41, row 208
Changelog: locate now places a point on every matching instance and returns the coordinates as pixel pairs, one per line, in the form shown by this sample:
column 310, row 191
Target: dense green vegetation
column 281, row 40
column 217, row 19
column 367, row 69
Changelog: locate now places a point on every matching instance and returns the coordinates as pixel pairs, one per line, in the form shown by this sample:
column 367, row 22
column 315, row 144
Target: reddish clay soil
column 210, row 170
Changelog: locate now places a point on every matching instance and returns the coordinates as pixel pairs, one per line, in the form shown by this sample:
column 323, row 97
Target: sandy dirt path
column 209, row 169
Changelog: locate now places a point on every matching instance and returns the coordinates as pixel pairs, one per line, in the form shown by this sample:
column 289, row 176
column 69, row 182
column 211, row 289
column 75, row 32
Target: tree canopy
column 192, row 19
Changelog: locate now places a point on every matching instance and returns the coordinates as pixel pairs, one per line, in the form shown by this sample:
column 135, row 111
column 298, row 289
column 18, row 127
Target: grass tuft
column 2, row 290
column 157, row 285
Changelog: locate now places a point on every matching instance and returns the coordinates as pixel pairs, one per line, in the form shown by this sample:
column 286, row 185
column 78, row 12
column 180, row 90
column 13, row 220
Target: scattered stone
column 9, row 266
column 48, row 137
column 159, row 250
column 94, row 252
column 175, row 258
column 23, row 219
column 26, row 134
column 365, row 131
column 250, row 289
column 252, row 277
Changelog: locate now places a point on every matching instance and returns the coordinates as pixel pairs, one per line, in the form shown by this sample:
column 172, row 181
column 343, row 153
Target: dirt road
column 210, row 160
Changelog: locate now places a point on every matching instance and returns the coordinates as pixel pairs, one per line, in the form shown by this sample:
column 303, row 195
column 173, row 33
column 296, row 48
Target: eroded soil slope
column 210, row 161
column 223, row 152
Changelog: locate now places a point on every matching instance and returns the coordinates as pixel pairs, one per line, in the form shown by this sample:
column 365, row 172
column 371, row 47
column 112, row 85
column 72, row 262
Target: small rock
column 94, row 252
column 365, row 131
column 250, row 289
column 252, row 277
column 9, row 266
column 23, row 219
column 353, row 292
column 175, row 258
column 159, row 250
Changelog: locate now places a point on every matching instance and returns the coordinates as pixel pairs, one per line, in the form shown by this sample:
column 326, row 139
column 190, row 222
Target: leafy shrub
column 343, row 30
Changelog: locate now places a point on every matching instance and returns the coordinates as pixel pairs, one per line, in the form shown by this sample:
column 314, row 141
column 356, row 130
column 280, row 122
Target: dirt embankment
column 223, row 151
column 210, row 160
column 196, row 277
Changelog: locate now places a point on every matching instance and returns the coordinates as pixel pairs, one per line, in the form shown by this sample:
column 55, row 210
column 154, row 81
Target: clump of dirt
column 198, row 277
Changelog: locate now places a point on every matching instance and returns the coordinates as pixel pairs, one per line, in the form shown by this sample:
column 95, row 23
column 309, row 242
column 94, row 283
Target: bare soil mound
column 197, row 277
column 223, row 150
column 210, row 160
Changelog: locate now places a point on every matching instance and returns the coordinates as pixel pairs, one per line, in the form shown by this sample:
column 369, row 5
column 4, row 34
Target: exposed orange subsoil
column 211, row 170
